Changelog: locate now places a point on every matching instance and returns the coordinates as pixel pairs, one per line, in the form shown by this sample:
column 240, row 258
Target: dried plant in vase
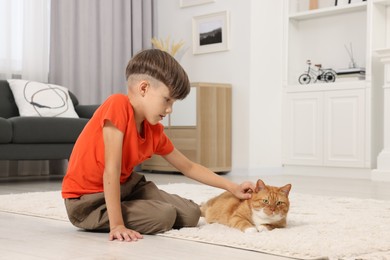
column 170, row 46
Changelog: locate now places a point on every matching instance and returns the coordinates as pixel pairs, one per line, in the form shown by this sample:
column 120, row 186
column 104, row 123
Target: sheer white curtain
column 25, row 34
column 24, row 53
column 91, row 42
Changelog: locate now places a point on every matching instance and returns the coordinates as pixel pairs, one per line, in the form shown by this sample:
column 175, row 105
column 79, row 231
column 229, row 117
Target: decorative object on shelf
column 170, row 46
column 313, row 4
column 189, row 3
column 210, row 32
column 326, row 75
column 352, row 63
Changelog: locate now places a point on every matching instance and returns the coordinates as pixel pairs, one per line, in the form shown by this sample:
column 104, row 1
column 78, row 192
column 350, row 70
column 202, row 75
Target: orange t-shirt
column 86, row 164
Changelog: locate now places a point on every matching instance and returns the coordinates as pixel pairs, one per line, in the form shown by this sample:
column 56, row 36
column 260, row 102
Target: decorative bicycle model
column 326, row 75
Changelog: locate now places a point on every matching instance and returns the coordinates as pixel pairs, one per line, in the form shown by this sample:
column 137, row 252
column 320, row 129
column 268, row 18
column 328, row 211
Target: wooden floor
column 24, row 237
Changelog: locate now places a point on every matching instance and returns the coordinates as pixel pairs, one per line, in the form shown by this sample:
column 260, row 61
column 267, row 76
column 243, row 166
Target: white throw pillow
column 40, row 99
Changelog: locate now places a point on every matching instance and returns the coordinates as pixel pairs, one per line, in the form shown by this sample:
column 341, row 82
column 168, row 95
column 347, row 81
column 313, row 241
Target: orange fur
column 267, row 209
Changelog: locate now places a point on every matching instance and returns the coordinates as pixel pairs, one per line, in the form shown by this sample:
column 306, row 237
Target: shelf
column 382, row 2
column 344, row 85
column 334, row 124
column 384, row 51
column 383, row 54
column 333, row 10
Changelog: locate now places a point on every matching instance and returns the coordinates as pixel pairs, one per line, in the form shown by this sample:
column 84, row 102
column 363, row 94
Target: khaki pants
column 145, row 209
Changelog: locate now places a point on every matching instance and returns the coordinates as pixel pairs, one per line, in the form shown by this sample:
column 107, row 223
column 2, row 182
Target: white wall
column 265, row 99
column 252, row 66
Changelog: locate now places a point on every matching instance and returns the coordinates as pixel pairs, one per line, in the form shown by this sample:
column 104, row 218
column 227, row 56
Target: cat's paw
column 250, row 230
column 261, row 228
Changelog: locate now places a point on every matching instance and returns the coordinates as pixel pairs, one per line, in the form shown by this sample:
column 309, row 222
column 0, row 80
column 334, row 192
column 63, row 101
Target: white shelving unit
column 328, row 11
column 335, row 124
column 382, row 50
column 321, row 36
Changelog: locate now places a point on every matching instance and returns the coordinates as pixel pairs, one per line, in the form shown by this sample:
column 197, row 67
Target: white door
column 344, row 128
column 303, row 130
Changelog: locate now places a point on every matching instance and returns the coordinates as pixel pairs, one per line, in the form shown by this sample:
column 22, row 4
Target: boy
column 100, row 189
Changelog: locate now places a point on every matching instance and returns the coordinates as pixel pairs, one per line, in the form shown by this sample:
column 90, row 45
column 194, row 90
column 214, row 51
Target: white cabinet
column 344, row 128
column 333, row 124
column 303, row 129
column 325, row 128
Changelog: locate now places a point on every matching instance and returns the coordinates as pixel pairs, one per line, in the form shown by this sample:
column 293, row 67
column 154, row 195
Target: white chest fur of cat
column 265, row 210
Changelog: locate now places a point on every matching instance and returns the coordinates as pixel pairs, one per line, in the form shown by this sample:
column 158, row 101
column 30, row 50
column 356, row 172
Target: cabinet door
column 303, row 129
column 344, row 128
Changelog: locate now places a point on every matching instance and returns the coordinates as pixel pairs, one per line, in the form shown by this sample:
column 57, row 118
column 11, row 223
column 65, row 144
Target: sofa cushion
column 46, row 129
column 74, row 99
column 5, row 131
column 41, row 99
column 8, row 106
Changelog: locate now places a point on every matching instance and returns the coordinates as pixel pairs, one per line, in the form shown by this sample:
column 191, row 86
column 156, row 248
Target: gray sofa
column 38, row 138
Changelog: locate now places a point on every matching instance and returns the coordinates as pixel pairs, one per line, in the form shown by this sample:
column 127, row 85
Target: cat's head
column 273, row 200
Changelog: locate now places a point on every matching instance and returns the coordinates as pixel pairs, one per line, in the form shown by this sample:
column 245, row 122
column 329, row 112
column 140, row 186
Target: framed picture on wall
column 188, row 3
column 210, row 33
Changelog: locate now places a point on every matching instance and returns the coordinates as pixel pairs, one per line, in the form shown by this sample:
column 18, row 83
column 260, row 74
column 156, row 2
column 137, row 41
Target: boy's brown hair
column 163, row 67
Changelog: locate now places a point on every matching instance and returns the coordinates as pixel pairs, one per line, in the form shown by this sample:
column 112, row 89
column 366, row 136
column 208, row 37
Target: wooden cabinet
column 200, row 128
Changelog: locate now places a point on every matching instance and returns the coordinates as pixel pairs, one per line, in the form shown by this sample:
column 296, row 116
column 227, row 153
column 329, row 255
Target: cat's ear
column 260, row 185
column 286, row 189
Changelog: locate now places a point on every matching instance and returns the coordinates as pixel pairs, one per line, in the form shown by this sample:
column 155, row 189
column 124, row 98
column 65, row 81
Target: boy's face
column 158, row 102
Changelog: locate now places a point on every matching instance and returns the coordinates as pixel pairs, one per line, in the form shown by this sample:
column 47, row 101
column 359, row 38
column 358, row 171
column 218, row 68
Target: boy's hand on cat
column 244, row 190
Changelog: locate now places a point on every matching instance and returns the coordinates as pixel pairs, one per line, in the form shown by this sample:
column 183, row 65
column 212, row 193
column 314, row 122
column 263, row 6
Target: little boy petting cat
column 100, row 188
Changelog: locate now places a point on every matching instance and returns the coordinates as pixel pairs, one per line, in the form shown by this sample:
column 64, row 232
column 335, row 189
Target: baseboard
column 334, row 172
column 29, row 178
column 268, row 171
column 377, row 175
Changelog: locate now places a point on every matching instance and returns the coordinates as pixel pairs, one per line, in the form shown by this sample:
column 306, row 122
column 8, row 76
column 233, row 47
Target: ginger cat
column 266, row 210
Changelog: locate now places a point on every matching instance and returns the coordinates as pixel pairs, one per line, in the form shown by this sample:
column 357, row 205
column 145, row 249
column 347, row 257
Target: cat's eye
column 279, row 203
column 265, row 201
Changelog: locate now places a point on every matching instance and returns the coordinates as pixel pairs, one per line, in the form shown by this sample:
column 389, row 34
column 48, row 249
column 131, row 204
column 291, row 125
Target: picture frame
column 210, row 32
column 189, row 3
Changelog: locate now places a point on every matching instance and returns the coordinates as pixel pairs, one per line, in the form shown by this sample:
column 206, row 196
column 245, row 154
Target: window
column 24, row 47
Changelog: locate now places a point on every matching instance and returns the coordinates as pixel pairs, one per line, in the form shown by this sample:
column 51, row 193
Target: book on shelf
column 350, row 74
column 349, row 77
column 352, row 78
column 347, row 71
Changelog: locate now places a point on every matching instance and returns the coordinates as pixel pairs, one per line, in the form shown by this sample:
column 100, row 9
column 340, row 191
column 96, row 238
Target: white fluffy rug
column 318, row 226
